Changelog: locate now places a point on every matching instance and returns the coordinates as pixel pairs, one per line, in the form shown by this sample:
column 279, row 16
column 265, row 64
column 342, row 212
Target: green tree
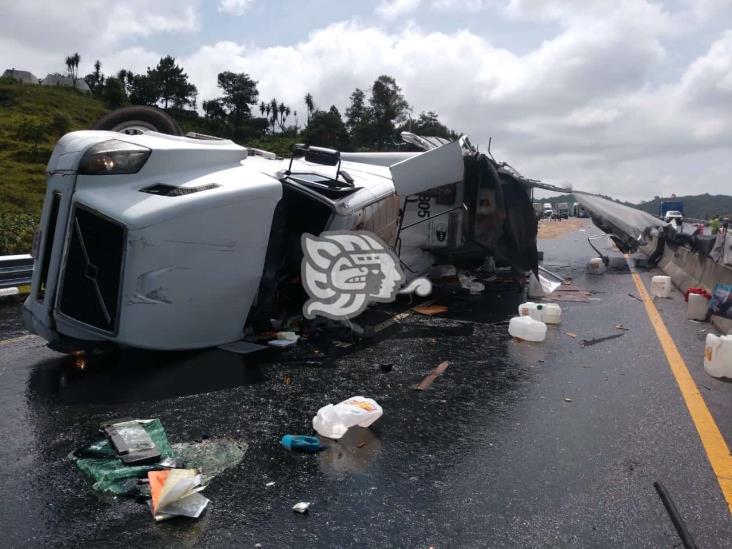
column 359, row 121
column 389, row 108
column 428, row 123
column 172, row 83
column 214, row 110
column 95, row 80
column 31, row 132
column 326, row 129
column 310, row 105
column 113, row 94
column 240, row 93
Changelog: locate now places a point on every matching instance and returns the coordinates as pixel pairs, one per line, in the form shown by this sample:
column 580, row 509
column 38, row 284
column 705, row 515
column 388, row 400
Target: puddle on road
column 135, row 375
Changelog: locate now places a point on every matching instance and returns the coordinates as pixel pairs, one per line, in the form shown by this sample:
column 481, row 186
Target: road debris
column 332, row 421
column 567, row 399
column 595, row 341
column 386, row 368
column 429, row 378
column 635, row 297
column 571, row 334
column 430, row 310
column 176, row 493
column 527, row 329
column 302, row 443
column 281, row 342
column 270, row 484
column 621, row 327
column 301, row 507
column 718, row 355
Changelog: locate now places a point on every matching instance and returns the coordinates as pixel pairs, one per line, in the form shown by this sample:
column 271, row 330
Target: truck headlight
column 113, row 157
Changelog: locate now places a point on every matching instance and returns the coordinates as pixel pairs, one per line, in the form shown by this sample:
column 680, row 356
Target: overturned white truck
column 170, row 242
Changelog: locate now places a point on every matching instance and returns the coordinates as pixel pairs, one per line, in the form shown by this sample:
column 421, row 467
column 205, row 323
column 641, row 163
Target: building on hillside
column 61, row 80
column 23, row 77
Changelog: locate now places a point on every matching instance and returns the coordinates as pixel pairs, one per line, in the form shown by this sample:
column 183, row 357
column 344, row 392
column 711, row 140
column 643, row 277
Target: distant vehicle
column 563, row 210
column 670, row 205
column 672, row 216
column 579, row 211
column 548, row 209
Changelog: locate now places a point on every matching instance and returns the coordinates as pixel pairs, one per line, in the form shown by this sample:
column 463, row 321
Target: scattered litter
column 332, row 421
column 131, row 441
column 526, row 328
column 636, row 297
column 287, row 380
column 718, row 355
column 568, row 291
column 270, row 484
column 211, row 456
column 571, row 334
column 287, row 336
column 360, row 445
column 341, row 344
column 429, row 378
column 302, row 507
column 430, row 310
column 473, row 286
column 176, row 492
column 549, row 313
column 386, row 368
column 567, row 399
column 621, row 327
column 661, row 286
column 281, row 342
column 698, row 306
column 595, row 341
column 100, row 463
column 302, row 443
column 242, row 347
column 596, row 266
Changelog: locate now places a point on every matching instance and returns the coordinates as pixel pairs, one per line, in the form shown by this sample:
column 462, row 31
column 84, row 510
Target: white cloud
column 235, row 7
column 392, row 9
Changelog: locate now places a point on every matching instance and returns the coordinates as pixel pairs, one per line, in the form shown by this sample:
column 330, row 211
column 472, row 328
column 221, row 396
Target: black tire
column 133, row 120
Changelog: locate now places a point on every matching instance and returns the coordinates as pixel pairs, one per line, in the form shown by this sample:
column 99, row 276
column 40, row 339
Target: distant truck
column 563, row 210
column 667, row 206
column 548, row 209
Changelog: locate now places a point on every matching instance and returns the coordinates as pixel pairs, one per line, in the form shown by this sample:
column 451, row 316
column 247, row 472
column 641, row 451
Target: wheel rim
column 134, row 127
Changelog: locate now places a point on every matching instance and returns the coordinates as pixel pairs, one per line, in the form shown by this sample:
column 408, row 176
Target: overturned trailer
column 168, row 242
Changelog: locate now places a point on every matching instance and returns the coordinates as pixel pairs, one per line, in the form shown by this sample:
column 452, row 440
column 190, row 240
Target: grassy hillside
column 32, row 118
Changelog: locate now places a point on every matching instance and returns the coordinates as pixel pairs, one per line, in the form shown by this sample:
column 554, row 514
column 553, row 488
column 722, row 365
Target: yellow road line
column 712, row 439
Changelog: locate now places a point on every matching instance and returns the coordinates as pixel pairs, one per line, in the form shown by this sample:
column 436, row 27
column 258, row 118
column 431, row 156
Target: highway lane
column 515, row 445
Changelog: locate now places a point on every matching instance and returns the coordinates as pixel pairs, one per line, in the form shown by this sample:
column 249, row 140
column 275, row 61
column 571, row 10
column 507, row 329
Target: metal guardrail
column 15, row 270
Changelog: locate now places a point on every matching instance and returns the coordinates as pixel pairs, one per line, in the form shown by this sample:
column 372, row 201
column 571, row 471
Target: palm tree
column 262, row 107
column 310, row 105
column 274, row 107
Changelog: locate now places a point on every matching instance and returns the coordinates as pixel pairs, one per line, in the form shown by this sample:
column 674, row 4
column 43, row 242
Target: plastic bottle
column 332, row 421
column 661, row 286
column 596, row 266
column 718, row 355
column 552, row 313
column 697, row 307
column 525, row 327
column 534, row 310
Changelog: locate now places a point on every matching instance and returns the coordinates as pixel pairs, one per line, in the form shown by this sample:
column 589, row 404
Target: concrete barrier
column 689, row 270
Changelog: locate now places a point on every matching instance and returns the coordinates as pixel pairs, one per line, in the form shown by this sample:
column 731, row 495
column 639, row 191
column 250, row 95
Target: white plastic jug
column 661, row 286
column 697, row 307
column 596, row 266
column 332, row 421
column 552, row 313
column 525, row 327
column 534, row 310
column 718, row 355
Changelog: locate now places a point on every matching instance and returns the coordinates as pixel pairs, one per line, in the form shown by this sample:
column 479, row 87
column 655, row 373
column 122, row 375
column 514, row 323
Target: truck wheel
column 135, row 120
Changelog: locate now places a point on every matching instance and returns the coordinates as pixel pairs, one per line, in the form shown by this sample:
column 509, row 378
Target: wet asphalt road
column 515, row 445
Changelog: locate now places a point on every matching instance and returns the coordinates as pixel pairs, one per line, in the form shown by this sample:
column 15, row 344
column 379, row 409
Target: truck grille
column 93, row 270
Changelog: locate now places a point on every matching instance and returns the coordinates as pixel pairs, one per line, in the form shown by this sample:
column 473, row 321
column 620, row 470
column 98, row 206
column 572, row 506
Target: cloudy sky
column 631, row 98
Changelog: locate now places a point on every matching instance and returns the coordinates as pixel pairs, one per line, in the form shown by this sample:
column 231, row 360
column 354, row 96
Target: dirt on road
column 549, row 228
